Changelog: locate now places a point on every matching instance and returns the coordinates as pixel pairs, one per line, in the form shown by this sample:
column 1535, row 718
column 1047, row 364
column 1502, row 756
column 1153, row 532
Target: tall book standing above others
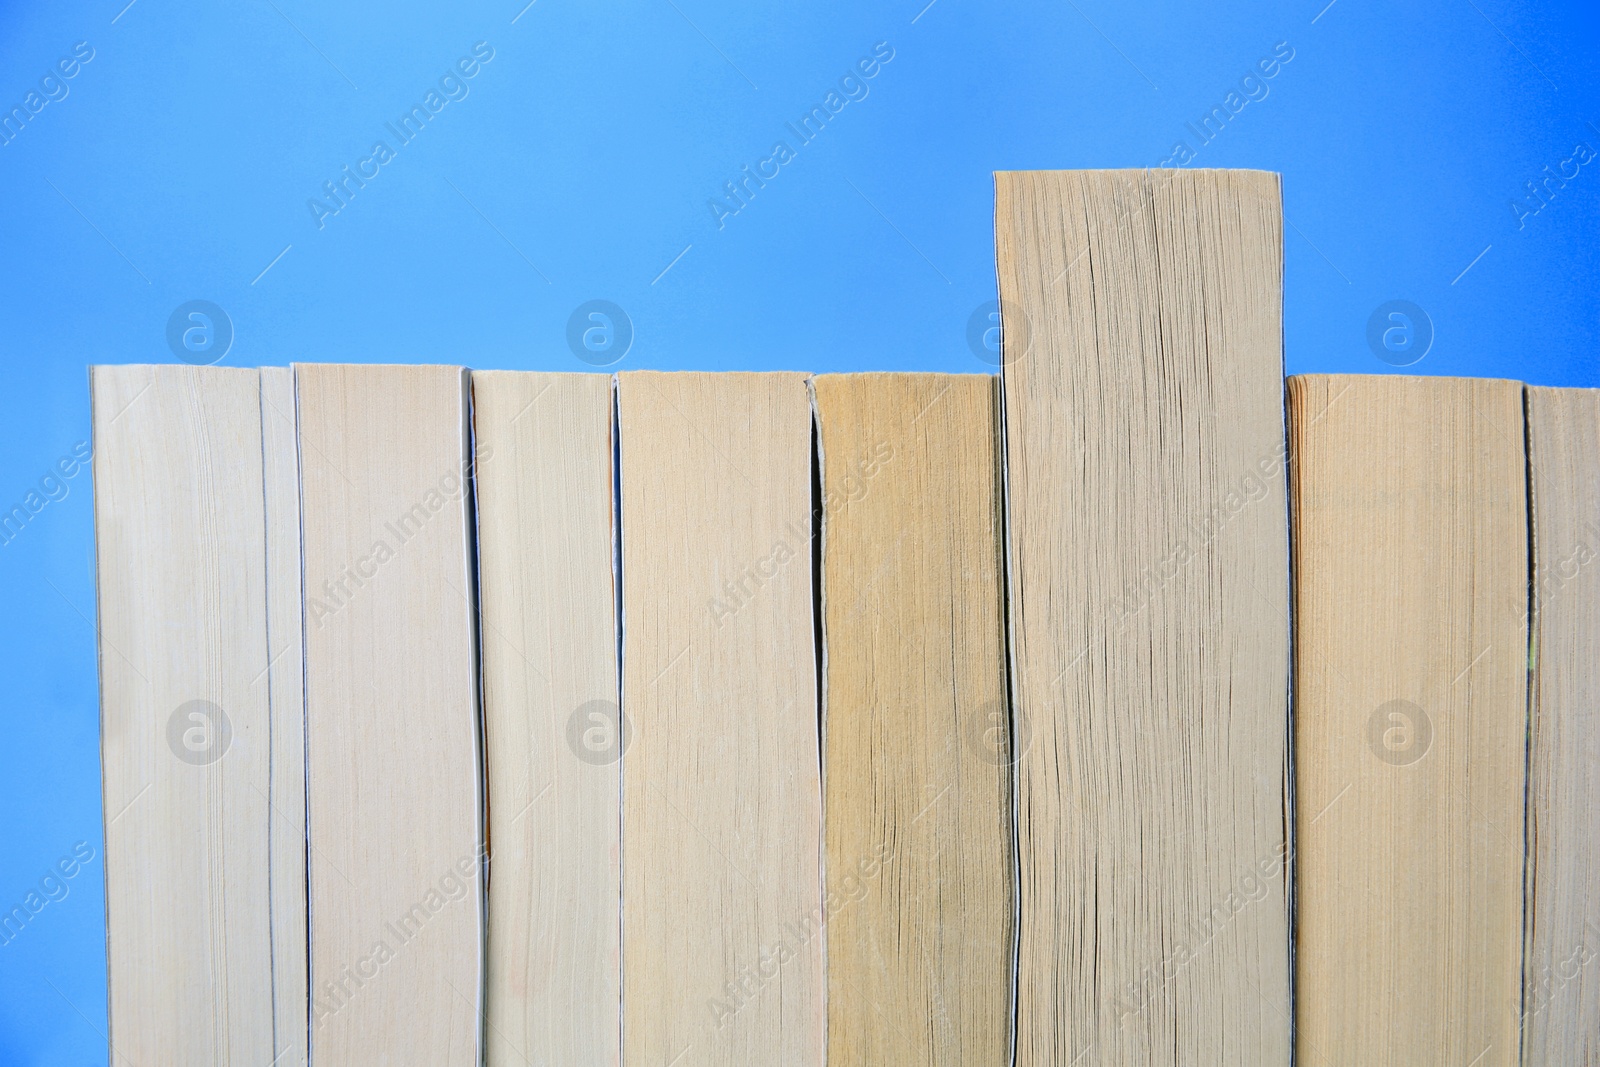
column 1149, row 598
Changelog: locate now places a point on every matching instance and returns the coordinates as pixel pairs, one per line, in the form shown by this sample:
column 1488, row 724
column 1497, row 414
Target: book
column 393, row 791
column 1142, row 361
column 551, row 716
column 185, row 722
column 1411, row 572
column 722, row 932
column 285, row 682
column 917, row 747
column 1560, row 997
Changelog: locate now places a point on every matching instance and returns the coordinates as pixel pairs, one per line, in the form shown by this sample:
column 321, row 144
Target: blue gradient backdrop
column 178, row 162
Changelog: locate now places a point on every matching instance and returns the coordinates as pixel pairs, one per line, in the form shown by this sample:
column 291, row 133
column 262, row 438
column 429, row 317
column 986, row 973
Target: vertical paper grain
column 1149, row 613
column 1411, row 685
column 183, row 617
column 285, row 681
column 544, row 505
column 1561, row 979
column 917, row 769
column 722, row 945
column 392, row 715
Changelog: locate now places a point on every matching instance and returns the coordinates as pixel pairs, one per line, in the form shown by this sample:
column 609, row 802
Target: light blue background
column 579, row 166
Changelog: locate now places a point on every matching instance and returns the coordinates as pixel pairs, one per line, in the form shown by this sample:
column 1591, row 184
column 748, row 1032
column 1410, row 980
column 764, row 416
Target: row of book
column 1131, row 706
